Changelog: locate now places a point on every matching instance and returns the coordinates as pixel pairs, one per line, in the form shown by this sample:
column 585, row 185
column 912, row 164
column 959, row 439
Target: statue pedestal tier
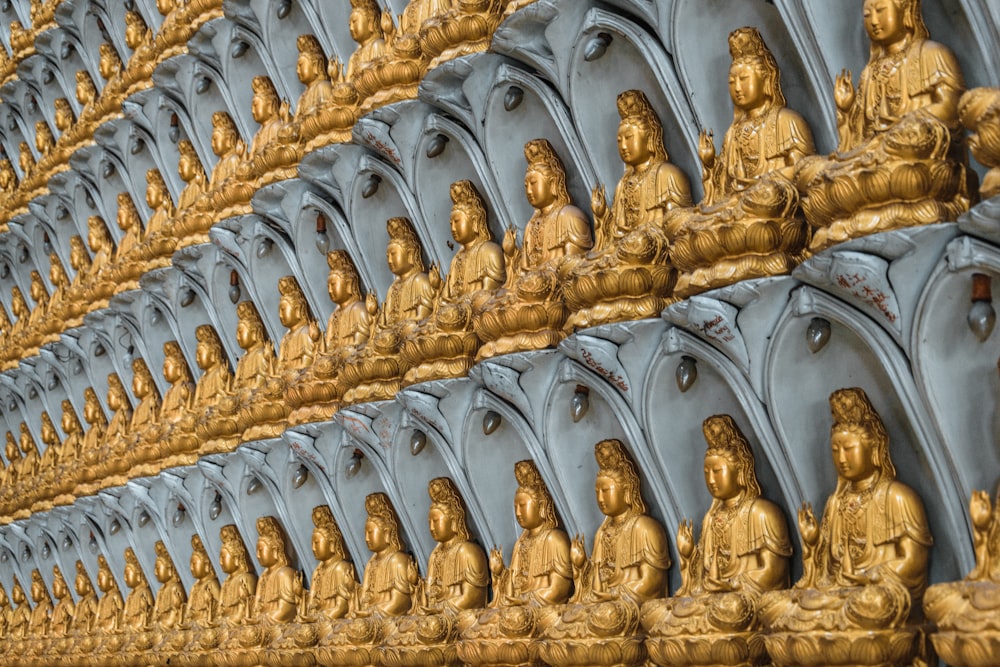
column 967, row 616
column 503, row 637
column 419, row 641
column 605, row 634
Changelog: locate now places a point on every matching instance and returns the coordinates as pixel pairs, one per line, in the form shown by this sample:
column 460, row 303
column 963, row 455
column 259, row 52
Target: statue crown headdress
column 747, row 43
column 540, row 153
column 635, row 104
column 222, row 120
column 464, row 193
column 131, row 559
column 530, row 481
column 161, row 549
column 309, row 44
column 232, row 540
column 172, row 349
column 340, row 261
column 205, row 333
column 444, row 494
column 262, row 85
column 81, row 570
column 401, row 229
column 246, row 310
column 323, row 519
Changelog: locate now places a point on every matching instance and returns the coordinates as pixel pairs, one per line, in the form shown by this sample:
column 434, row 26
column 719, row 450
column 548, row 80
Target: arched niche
column 129, row 341
column 78, row 194
column 116, row 341
column 117, row 136
column 334, row 32
column 33, row 73
column 68, row 368
column 278, row 37
column 149, row 317
column 204, row 493
column 968, row 421
column 63, row 51
column 541, row 113
column 186, row 97
column 701, row 53
column 94, row 349
column 312, row 262
column 633, row 60
column 101, row 174
column 798, row 385
column 155, row 129
column 55, row 390
column 214, row 275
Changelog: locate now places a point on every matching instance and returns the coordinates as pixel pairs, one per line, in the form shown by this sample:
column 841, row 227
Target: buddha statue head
column 365, row 21
column 545, row 177
column 233, row 556
column 59, row 587
column 128, row 214
column 25, row 159
column 92, row 411
column 8, row 177
column 49, row 435
column 57, row 272
column 98, row 236
column 157, row 194
column 70, row 422
column 382, row 525
column 250, row 330
column 271, row 550
column 446, row 516
column 312, row 62
column 142, row 379
column 201, row 564
column 38, row 292
column 175, row 368
column 754, row 78
column 86, row 91
column 18, row 305
column 729, row 462
column 618, row 487
column 888, row 22
column 164, row 568
column 82, row 584
column 136, row 31
column 292, row 309
column 858, row 438
column 640, row 133
column 38, row 590
column 533, row 505
column 12, row 450
column 27, row 442
column 44, row 141
column 134, row 576
column 265, row 99
column 209, row 353
column 105, row 580
column 110, row 62
column 327, row 541
column 404, row 250
column 468, row 214
column 343, row 283
column 64, row 114
column 189, row 164
column 17, row 593
column 164, row 7
column 225, row 136
column 117, row 397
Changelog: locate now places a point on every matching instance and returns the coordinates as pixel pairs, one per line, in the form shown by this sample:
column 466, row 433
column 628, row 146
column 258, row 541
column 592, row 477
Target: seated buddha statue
column 110, row 467
column 95, row 281
column 236, row 597
column 65, row 476
column 314, row 395
column 279, row 588
column 444, row 345
column 228, row 194
column 110, row 67
column 967, row 625
column 457, row 580
column 26, row 161
column 540, row 574
column 373, row 371
column 743, row 551
column 318, row 120
column 864, row 566
column 20, row 617
column 33, row 333
column 748, row 224
column 111, row 606
column 64, row 311
column 41, row 615
column 627, row 275
column 184, row 227
column 173, row 425
column 979, row 111
column 628, row 567
column 168, row 610
column 62, row 613
column 93, row 440
column 8, row 180
column 202, row 608
column 203, row 425
column 142, row 449
column 452, row 28
column 85, row 612
column 44, row 140
column 22, row 42
column 145, row 52
column 157, row 242
column 129, row 262
column 86, row 95
column 386, row 591
column 137, row 615
column 900, row 161
column 43, row 485
column 273, row 155
column 31, row 459
column 19, row 327
column 528, row 312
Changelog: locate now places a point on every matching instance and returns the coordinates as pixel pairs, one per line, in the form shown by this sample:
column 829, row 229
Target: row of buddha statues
column 863, row 597
column 769, row 203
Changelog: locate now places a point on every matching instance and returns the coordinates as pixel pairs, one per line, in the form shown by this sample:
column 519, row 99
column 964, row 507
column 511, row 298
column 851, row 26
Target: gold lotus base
column 439, row 356
column 617, row 294
column 731, row 271
column 513, row 326
column 849, row 648
column 967, row 649
column 741, row 649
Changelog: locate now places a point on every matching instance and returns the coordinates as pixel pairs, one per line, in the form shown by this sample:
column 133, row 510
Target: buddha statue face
column 610, row 496
column 441, row 523
column 207, row 354
column 290, row 311
column 884, row 21
column 188, row 164
column 95, row 236
column 37, row 288
column 462, row 227
column 267, row 551
column 538, row 187
column 246, row 334
column 340, row 287
column 154, row 191
column 104, row 579
column 82, row 584
column 222, row 139
column 132, row 576
column 265, row 103
column 200, row 567
column 18, row 594
column 59, row 588
column 163, row 570
column 164, row 6
column 633, row 142
column 227, row 560
column 91, row 408
column 308, row 67
column 140, row 385
column 125, row 218
column 376, row 535
column 171, row 371
column 109, row 62
column 721, row 477
column 746, row 86
column 48, row 430
column 57, row 276
column 853, row 453
column 68, row 422
column 37, row 589
column 399, row 258
column 362, row 25
column 322, row 544
column 135, row 30
column 85, row 91
column 115, row 399
column 527, row 510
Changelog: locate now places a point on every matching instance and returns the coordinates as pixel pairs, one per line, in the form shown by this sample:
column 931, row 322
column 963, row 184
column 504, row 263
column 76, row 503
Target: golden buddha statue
column 5, row 613
column 528, row 313
column 22, row 41
column 334, row 584
column 93, row 440
column 25, row 160
column 33, row 332
column 85, row 612
column 41, row 615
column 236, row 597
column 168, row 610
column 184, row 226
column 628, row 566
column 31, row 461
column 965, row 612
column 20, row 618
column 65, row 475
column 138, row 611
column 374, row 371
column 86, row 94
column 140, row 39
column 314, row 396
column 540, row 574
column 320, row 118
column 900, row 161
column 142, row 449
column 865, row 564
column 452, row 28
column 44, row 140
column 173, row 426
column 96, row 281
column 105, row 466
column 64, row 116
column 444, row 345
column 216, row 382
column 62, row 614
column 110, row 67
column 743, row 551
column 979, row 111
column 8, row 179
column 228, row 193
column 627, row 276
column 457, row 580
column 370, row 68
column 110, row 607
column 129, row 263
column 64, row 311
column 158, row 243
column 273, row 156
column 203, row 603
column 43, row 485
column 279, row 589
column 748, row 225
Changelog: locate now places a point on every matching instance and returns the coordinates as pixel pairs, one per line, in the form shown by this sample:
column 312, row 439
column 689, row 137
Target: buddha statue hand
column 686, row 549
column 843, row 91
column 599, row 206
column 981, row 514
column 497, row 566
column 809, row 530
column 706, row 150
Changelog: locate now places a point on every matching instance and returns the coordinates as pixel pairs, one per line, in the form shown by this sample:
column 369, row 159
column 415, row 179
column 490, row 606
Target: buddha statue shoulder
column 742, row 552
column 20, row 617
column 85, row 613
column 865, row 562
column 138, row 611
column 627, row 567
column 111, row 606
column 631, row 239
column 62, row 614
column 41, row 615
column 168, row 610
column 236, row 595
column 900, row 161
column 279, row 588
column 203, row 604
column 539, row 574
